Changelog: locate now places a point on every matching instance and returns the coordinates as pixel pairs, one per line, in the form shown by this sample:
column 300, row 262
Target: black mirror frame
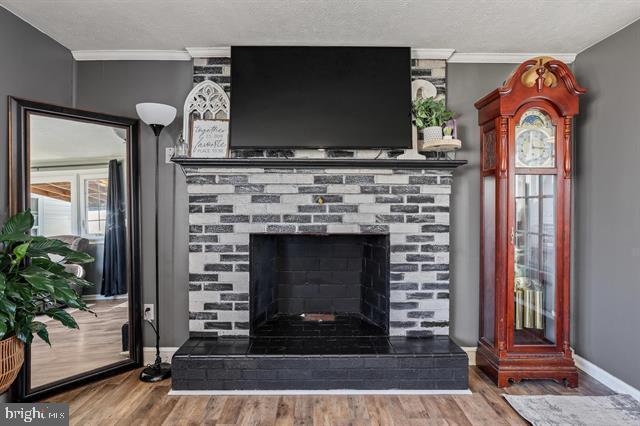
column 19, row 180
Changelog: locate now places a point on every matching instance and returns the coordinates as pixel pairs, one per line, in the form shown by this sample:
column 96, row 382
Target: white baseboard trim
column 471, row 353
column 320, row 392
column 101, row 297
column 606, row 378
column 166, row 353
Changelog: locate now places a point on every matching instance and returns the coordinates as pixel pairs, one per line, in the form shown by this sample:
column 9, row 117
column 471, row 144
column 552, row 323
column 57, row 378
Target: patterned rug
column 548, row 410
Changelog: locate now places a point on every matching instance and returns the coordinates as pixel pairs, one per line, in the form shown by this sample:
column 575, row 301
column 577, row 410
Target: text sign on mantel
column 209, row 138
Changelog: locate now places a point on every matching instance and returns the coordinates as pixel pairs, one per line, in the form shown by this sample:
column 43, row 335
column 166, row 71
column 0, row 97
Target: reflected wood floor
column 124, row 400
column 97, row 343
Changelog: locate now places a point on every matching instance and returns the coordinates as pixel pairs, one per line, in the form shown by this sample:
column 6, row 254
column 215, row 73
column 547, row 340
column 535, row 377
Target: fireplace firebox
column 302, row 285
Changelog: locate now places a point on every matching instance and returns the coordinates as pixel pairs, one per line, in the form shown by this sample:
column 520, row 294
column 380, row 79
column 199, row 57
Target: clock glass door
column 534, row 235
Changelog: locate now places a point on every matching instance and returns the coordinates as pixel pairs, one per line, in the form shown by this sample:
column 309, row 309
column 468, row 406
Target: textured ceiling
column 557, row 26
column 59, row 140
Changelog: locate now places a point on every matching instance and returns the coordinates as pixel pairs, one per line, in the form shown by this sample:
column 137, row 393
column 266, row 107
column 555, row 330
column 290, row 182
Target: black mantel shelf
column 319, row 163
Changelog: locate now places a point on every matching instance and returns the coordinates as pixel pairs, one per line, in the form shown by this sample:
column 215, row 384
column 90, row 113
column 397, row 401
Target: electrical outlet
column 168, row 153
column 149, row 312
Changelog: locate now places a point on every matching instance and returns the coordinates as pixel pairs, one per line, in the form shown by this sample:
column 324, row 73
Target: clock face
column 535, row 140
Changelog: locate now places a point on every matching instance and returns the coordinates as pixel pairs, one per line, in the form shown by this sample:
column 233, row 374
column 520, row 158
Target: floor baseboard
column 91, row 297
column 606, row 378
column 471, row 353
column 166, row 353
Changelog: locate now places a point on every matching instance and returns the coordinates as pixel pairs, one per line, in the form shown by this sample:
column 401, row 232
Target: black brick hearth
column 313, row 363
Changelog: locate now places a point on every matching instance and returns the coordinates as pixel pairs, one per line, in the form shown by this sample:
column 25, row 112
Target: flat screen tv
column 320, row 97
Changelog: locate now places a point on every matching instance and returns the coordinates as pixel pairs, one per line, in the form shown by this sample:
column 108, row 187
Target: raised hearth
column 320, row 363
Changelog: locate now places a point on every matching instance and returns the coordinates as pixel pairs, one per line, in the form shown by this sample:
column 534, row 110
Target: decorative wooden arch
column 207, row 100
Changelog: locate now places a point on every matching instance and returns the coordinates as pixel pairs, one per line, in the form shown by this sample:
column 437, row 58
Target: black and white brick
column 314, row 201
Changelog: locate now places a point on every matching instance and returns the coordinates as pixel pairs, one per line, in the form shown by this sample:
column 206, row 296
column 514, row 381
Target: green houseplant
column 31, row 283
column 430, row 115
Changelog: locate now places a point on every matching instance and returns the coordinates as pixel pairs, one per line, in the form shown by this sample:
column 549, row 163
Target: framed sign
column 209, row 138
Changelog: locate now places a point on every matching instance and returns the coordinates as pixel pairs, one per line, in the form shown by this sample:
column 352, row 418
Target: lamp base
column 156, row 372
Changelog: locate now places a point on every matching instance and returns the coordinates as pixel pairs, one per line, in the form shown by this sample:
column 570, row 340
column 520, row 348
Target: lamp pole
column 157, row 116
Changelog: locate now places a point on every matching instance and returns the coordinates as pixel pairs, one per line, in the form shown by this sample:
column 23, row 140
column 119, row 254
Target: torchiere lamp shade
column 156, row 114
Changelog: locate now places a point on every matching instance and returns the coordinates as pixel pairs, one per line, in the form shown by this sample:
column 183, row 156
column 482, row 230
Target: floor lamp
column 157, row 116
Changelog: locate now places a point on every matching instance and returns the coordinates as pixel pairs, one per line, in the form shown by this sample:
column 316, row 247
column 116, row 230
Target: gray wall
column 33, row 66
column 607, row 206
column 116, row 87
column 466, row 84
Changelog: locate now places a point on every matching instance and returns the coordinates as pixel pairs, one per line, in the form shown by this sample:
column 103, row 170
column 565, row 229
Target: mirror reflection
column 78, row 194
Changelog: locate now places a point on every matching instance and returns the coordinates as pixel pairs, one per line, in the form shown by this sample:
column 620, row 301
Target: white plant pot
column 433, row 133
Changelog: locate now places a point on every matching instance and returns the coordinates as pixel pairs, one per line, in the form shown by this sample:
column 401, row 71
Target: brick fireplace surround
column 408, row 207
column 228, row 205
column 397, row 340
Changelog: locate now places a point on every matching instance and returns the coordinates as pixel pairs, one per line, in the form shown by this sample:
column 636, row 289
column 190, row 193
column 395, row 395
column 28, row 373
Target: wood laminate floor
column 97, row 343
column 124, row 400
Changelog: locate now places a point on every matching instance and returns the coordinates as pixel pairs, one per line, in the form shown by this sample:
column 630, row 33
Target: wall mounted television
column 320, row 97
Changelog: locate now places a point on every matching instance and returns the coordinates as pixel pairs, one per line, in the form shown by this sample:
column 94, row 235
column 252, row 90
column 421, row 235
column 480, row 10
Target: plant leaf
column 15, row 236
column 3, row 282
column 24, row 291
column 41, row 330
column 49, row 265
column 20, row 223
column 41, row 247
column 39, row 279
column 62, row 316
column 3, row 329
column 8, row 307
column 21, row 251
column 72, row 256
column 23, row 332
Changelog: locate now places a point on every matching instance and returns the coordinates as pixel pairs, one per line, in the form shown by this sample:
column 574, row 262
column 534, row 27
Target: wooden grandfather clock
column 526, row 167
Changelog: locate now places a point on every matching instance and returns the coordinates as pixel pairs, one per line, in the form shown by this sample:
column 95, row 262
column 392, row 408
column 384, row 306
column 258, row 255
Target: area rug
column 547, row 410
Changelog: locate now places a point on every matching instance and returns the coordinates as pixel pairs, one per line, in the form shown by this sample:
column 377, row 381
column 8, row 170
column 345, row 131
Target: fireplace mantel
column 322, row 163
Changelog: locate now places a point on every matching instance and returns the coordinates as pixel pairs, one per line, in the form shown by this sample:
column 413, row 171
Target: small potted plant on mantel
column 31, row 283
column 430, row 115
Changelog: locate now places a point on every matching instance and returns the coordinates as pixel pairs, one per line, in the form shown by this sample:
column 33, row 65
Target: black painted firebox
column 295, row 279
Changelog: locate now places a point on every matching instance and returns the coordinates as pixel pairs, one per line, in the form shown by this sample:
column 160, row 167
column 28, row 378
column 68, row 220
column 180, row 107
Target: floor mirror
column 78, row 173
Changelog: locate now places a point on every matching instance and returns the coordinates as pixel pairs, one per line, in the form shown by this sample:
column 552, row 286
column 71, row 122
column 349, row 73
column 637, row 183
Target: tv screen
column 320, row 97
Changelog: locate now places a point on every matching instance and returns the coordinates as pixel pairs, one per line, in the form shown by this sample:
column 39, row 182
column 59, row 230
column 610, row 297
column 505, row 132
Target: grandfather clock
column 525, row 133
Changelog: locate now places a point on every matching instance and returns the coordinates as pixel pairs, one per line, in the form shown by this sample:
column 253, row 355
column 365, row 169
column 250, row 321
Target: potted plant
column 448, row 132
column 31, row 283
column 429, row 115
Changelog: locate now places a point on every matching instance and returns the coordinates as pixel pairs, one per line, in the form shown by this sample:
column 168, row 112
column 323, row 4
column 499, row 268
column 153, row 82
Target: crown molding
column 225, row 52
column 443, row 54
column 209, row 52
column 448, row 55
column 131, row 55
column 506, row 58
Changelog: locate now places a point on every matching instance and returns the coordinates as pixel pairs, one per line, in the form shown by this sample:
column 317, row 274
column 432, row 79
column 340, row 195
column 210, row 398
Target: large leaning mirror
column 77, row 172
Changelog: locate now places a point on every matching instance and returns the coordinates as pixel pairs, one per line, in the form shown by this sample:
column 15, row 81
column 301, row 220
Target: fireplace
column 300, row 281
column 316, row 278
